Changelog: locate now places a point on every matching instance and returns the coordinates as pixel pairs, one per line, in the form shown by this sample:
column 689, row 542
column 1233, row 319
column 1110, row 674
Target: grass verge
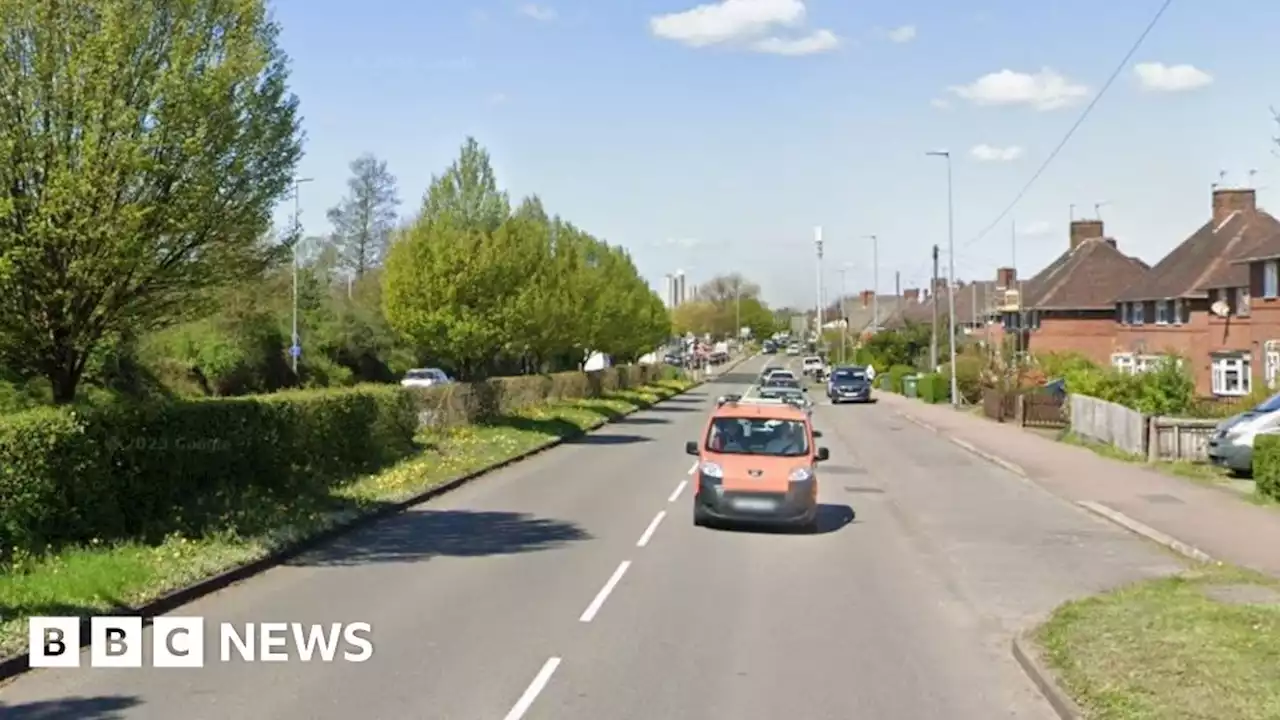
column 1168, row 649
column 96, row 578
column 1200, row 473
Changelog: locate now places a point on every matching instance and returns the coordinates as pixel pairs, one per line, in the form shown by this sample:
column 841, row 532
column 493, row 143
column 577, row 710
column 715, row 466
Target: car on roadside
column 425, row 377
column 793, row 349
column 757, row 463
column 1231, row 444
column 849, row 384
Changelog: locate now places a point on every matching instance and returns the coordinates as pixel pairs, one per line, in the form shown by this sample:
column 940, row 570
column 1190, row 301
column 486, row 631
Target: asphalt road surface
column 574, row 586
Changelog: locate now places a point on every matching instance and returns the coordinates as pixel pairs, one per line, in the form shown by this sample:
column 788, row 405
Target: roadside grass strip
column 1203, row 645
column 97, row 578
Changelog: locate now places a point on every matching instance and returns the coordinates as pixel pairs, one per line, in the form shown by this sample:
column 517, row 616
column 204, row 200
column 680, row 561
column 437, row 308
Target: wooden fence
column 1155, row 438
column 1027, row 409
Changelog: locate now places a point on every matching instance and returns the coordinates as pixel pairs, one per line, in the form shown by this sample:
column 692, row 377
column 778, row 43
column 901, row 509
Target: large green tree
column 143, row 146
column 468, row 191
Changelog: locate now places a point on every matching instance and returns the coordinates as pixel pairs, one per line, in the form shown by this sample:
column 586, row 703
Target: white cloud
column 940, row 103
column 906, row 33
column 1045, row 90
column 818, row 41
column 990, row 153
column 751, row 23
column 538, row 12
column 1171, row 78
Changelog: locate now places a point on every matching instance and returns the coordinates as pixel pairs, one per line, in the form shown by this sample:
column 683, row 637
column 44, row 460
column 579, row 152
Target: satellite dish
column 1220, row 308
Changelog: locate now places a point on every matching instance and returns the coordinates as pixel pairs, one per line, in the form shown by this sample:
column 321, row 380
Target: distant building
column 675, row 289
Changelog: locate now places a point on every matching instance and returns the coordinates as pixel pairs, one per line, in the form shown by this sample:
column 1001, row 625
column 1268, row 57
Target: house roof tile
column 1086, row 277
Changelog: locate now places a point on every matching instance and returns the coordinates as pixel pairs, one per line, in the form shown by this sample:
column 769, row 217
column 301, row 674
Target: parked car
column 1231, row 445
column 425, row 377
column 811, row 365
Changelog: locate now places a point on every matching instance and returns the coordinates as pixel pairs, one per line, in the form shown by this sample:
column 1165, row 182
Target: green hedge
column 896, row 373
column 73, row 476
column 934, row 388
column 1266, row 465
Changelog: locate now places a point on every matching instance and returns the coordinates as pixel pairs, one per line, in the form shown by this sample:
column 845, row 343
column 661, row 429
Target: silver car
column 1231, row 445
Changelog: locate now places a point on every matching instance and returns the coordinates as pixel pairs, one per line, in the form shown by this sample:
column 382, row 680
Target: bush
column 896, row 373
column 1266, row 465
column 141, row 471
column 968, row 377
column 934, row 388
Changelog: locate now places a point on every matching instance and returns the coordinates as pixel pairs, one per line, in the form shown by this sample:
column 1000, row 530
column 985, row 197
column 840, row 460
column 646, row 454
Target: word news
column 179, row 642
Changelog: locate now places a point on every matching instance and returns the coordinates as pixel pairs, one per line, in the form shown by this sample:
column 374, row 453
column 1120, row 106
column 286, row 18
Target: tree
column 143, row 146
column 365, row 219
column 725, row 289
column 468, row 191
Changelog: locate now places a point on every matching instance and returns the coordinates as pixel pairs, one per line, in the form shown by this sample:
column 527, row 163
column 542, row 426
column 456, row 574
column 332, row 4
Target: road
column 575, row 587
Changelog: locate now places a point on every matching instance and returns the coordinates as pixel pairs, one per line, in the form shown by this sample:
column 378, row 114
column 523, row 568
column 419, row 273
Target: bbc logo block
column 179, row 642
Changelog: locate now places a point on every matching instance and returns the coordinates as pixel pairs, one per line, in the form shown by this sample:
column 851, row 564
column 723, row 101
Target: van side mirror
column 691, row 448
column 823, row 454
column 817, row 433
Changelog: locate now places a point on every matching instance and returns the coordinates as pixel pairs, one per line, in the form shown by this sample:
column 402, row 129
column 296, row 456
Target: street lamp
column 844, row 313
column 295, row 348
column 951, row 275
column 875, row 282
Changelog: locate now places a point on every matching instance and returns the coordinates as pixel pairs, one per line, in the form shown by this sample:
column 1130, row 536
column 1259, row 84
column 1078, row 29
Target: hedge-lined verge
column 1266, row 465
column 142, row 472
column 102, row 574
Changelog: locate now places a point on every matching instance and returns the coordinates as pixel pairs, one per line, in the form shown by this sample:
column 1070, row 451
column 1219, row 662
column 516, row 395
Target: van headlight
column 801, row 474
column 711, row 469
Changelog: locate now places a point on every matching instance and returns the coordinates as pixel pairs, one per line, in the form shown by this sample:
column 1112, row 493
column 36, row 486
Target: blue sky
column 716, row 141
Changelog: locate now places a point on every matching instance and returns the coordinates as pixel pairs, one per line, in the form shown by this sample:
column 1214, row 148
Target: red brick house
column 1070, row 305
column 1196, row 302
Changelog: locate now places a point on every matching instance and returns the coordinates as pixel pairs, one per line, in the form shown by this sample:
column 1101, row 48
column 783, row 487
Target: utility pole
column 1013, row 243
column 737, row 308
column 951, row 277
column 817, row 241
column 844, row 314
column 295, row 349
column 933, row 339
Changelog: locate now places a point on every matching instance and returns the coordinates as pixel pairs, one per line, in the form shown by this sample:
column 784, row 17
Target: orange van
column 757, row 463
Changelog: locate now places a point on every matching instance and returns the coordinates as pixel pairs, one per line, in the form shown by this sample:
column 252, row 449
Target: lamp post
column 844, row 314
column 951, row 276
column 295, row 348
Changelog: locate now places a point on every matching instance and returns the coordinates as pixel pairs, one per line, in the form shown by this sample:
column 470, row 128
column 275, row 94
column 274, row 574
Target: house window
column 1120, row 313
column 1241, row 302
column 1122, row 362
column 1136, row 313
column 1162, row 312
column 1271, row 278
column 1231, row 374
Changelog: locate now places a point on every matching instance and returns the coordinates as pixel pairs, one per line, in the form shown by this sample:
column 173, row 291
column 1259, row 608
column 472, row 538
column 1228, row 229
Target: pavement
column 574, row 586
column 1206, row 521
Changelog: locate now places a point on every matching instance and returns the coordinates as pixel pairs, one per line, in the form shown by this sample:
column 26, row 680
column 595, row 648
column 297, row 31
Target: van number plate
column 754, row 505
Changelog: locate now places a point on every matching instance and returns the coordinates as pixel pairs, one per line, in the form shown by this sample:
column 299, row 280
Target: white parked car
column 812, row 365
column 425, row 377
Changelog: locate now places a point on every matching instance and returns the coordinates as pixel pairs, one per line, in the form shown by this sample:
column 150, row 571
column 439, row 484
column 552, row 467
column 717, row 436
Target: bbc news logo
column 179, row 642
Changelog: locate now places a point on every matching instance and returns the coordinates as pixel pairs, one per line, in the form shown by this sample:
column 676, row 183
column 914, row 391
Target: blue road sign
column 296, row 350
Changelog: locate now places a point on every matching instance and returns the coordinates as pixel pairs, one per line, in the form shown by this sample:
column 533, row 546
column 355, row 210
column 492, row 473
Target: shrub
column 1266, row 465
column 934, row 388
column 896, row 373
column 968, row 377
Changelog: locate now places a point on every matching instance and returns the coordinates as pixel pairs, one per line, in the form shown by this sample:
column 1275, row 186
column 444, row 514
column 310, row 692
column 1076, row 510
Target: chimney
column 867, row 295
column 911, row 294
column 1082, row 230
column 1226, row 202
column 1006, row 277
column 1111, row 242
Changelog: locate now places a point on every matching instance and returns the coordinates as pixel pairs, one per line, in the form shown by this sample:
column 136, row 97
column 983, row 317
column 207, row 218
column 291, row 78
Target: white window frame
column 1271, row 279
column 1241, row 301
column 1122, row 362
column 1223, row 367
column 1162, row 312
column 1271, row 363
column 1177, row 311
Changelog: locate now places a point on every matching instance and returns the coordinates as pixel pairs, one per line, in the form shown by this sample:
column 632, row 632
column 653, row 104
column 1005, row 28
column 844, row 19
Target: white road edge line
column 653, row 526
column 676, row 493
column 531, row 693
column 590, row 613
